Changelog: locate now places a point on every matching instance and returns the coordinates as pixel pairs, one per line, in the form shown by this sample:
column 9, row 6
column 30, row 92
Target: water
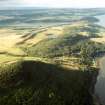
column 101, row 20
column 100, row 85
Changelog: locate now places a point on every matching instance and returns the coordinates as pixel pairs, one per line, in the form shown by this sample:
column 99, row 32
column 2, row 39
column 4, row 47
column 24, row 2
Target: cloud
column 66, row 3
column 4, row 0
column 9, row 3
column 1, row 1
column 54, row 3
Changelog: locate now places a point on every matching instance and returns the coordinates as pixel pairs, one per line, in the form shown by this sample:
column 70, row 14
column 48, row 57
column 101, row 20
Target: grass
column 42, row 66
column 8, row 39
column 6, row 58
column 42, row 83
column 16, row 36
column 100, row 39
column 45, row 42
column 39, row 67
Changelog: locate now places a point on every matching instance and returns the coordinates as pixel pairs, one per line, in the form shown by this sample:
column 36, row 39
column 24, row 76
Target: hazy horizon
column 8, row 4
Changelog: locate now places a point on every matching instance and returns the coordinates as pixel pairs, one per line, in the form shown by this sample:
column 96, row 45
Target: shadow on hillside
column 48, row 83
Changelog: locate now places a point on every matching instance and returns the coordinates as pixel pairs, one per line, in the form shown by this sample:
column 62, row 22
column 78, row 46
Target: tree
column 86, row 58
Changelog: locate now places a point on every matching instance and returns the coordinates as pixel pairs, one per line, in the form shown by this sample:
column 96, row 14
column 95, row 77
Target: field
column 47, row 57
column 23, row 42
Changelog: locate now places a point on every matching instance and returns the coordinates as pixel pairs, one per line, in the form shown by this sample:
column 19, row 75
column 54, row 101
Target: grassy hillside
column 48, row 41
column 50, row 65
column 38, row 83
column 68, row 42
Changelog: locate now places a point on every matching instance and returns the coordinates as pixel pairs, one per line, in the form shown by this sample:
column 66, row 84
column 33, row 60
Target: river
column 100, row 85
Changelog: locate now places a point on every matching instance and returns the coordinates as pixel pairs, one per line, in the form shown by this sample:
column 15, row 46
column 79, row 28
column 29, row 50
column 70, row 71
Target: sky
column 53, row 3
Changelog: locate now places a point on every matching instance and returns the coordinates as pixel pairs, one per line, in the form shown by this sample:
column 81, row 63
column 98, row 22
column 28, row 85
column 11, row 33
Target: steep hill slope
column 38, row 83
